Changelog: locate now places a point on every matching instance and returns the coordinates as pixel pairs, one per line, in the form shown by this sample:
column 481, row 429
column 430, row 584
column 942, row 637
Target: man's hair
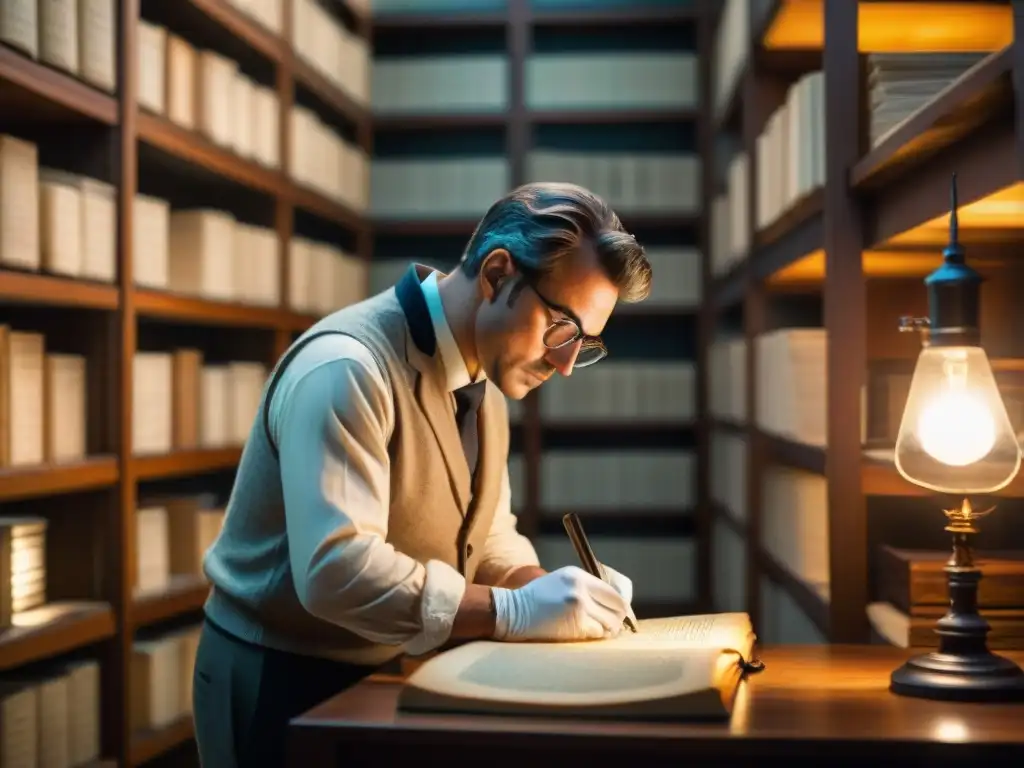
column 542, row 223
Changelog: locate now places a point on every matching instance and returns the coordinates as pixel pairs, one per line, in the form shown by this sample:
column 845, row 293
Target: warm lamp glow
column 955, row 436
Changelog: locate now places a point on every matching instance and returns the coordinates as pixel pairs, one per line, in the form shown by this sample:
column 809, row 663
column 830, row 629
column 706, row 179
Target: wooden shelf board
column 194, row 310
column 57, row 479
column 56, row 628
column 612, row 116
column 53, row 291
column 879, row 476
column 980, row 94
column 639, row 16
column 810, row 270
column 388, row 22
column 194, row 148
column 317, row 204
column 148, row 744
column 897, row 27
column 184, row 594
column 329, row 93
column 432, row 122
column 240, row 26
column 728, row 290
column 180, row 463
column 795, row 234
column 38, row 90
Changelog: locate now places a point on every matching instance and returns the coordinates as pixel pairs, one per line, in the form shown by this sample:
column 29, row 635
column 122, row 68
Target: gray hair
column 540, row 224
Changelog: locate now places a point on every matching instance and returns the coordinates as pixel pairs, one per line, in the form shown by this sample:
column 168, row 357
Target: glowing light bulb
column 956, row 428
column 955, row 436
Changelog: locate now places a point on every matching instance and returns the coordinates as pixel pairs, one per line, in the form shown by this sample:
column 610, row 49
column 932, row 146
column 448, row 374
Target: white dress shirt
column 335, row 478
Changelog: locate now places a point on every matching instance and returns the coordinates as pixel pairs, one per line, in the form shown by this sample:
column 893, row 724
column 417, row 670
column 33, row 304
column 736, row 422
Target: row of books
column 321, row 40
column 662, row 569
column 791, row 149
column 172, row 536
column 43, row 397
column 161, row 678
column 480, row 82
column 209, row 254
column 58, row 222
column 205, row 91
column 627, row 391
column 791, row 388
column 730, row 218
column 76, row 36
column 406, row 188
column 727, row 379
column 22, row 566
column 324, row 161
column 617, row 481
column 646, row 182
column 267, row 13
column 179, row 402
column 901, row 83
column 731, row 48
column 204, row 253
column 51, row 717
column 323, row 277
column 729, row 563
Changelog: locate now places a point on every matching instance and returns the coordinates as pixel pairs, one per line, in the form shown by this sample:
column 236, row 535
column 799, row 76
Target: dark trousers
column 244, row 695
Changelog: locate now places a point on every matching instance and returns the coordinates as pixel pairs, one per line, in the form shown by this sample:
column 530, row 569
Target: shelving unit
column 662, row 544
column 847, row 255
column 92, row 502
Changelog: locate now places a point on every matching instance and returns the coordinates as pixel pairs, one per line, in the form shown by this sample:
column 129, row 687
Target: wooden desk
column 828, row 703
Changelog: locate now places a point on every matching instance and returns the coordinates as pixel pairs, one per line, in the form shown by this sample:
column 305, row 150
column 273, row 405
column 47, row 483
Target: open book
column 683, row 667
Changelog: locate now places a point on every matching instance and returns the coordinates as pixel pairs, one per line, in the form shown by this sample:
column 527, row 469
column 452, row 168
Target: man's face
column 510, row 337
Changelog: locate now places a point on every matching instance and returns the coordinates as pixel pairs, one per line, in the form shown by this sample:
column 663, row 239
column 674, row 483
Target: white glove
column 622, row 584
column 567, row 604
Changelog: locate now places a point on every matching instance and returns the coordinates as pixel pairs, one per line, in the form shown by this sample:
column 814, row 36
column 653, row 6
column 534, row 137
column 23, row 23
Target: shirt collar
column 456, row 373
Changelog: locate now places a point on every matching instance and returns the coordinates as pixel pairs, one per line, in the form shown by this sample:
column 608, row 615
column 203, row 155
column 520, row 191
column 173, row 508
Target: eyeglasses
column 565, row 331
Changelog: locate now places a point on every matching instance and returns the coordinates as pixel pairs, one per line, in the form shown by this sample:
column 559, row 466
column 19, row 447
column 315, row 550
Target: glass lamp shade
column 955, row 436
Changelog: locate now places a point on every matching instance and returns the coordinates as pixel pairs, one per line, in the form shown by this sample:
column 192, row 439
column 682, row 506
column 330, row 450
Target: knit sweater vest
column 437, row 512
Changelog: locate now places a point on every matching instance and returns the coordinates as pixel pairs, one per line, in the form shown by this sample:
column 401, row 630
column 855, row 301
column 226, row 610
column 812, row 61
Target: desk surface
column 825, row 701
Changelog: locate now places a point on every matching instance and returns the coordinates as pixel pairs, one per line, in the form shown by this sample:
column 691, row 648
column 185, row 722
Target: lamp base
column 980, row 677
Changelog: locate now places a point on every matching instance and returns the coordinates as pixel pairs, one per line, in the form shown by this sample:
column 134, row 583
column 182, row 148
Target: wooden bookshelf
column 521, row 24
column 860, row 245
column 115, row 131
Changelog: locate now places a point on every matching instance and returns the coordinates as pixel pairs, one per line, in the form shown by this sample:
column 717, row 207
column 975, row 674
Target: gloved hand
column 622, row 584
column 567, row 604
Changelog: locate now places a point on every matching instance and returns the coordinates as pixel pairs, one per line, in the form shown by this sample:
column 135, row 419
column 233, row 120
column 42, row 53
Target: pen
column 574, row 528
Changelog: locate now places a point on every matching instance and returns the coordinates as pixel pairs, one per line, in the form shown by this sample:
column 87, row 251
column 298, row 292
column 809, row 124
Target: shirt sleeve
column 505, row 549
column 332, row 429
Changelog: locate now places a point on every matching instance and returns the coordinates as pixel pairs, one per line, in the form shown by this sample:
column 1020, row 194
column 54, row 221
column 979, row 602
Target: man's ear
column 496, row 269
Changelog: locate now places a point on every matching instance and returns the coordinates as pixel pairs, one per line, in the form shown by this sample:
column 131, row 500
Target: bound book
column 684, row 667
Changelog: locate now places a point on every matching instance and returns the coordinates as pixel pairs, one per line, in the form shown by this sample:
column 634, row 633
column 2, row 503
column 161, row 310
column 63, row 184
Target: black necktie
column 467, row 406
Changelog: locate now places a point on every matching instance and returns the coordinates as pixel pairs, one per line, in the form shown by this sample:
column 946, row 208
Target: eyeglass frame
column 570, row 319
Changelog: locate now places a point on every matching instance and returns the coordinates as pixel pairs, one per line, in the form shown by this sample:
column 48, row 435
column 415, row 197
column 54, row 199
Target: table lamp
column 955, row 438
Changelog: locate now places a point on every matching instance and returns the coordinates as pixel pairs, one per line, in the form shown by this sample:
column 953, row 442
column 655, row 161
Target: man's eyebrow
column 568, row 313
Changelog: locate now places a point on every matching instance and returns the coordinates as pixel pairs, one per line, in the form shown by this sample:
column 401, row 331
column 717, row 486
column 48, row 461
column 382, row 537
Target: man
column 371, row 512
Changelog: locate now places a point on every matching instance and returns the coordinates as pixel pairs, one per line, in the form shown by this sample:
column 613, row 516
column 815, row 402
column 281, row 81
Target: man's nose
column 564, row 358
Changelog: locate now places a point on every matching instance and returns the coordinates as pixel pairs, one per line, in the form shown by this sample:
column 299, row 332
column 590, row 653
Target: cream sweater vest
column 434, row 511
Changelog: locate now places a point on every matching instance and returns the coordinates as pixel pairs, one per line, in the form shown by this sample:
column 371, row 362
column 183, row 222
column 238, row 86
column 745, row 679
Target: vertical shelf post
column 844, row 314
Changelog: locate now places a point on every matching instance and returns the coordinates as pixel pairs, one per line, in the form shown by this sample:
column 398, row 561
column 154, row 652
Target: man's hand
column 521, row 576
column 565, row 605
column 622, row 584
